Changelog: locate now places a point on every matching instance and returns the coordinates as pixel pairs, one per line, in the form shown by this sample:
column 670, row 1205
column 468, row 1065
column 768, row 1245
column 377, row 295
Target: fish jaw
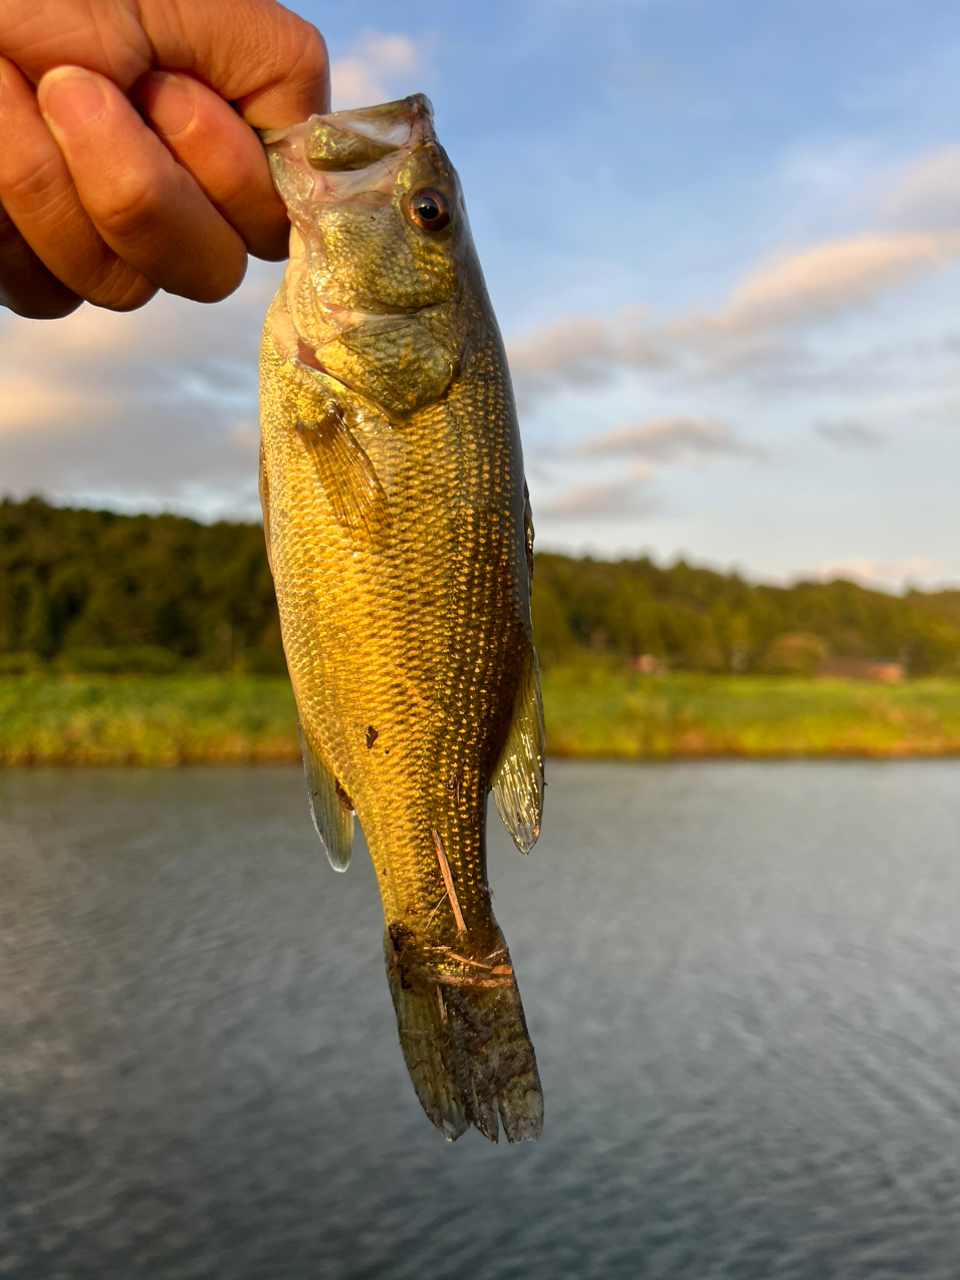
column 391, row 131
column 376, row 297
column 346, row 180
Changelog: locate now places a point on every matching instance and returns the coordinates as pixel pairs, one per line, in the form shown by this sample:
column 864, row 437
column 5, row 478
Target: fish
column 399, row 533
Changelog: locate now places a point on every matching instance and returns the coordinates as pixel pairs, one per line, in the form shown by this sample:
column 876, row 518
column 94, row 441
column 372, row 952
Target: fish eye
column 430, row 209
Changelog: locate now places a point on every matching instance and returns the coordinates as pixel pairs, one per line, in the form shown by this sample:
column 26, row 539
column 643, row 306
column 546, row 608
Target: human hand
column 124, row 168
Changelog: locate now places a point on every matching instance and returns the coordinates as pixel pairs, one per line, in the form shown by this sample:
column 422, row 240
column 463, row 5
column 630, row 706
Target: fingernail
column 70, row 98
column 167, row 100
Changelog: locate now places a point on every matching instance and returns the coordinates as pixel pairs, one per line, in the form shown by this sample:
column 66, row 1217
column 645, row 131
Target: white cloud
column 579, row 345
column 30, row 400
column 849, row 433
column 580, row 350
column 928, row 193
column 601, row 499
column 670, row 440
column 760, row 321
column 378, row 68
column 891, row 575
column 156, row 407
column 830, row 277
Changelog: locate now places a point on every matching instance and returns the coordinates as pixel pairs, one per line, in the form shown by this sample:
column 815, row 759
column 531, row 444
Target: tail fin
column 465, row 1043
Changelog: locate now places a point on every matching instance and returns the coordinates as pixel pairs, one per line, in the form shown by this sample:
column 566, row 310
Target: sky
column 722, row 238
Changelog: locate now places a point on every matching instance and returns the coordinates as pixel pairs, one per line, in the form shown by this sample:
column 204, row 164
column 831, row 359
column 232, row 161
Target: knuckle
column 226, row 281
column 313, row 56
column 311, row 63
column 119, row 287
column 33, row 185
column 132, row 207
column 27, row 287
column 31, row 305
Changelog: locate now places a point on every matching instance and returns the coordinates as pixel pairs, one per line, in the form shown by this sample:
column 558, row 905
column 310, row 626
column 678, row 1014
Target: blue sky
column 723, row 242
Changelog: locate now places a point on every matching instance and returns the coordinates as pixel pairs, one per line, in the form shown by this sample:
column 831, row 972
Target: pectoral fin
column 346, row 473
column 518, row 778
column 528, row 533
column 329, row 806
column 264, row 487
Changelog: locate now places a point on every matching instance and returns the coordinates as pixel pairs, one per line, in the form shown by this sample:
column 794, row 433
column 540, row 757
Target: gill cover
column 380, row 248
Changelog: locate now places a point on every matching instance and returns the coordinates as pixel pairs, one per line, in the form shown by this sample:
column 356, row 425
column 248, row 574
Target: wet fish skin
column 399, row 536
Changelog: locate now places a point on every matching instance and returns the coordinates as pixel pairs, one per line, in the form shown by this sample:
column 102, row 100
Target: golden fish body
column 400, row 541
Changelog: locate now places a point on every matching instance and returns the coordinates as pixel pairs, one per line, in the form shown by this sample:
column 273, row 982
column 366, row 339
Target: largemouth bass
column 399, row 535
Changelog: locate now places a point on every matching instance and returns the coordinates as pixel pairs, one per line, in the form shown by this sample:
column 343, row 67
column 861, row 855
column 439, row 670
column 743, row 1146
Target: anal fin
column 517, row 782
column 330, row 807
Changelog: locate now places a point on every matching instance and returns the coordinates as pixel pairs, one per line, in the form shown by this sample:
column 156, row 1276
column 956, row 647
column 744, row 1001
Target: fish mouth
column 348, row 158
column 402, row 123
column 336, row 156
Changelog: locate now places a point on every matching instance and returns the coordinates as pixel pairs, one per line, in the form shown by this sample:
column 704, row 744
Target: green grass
column 593, row 710
column 157, row 720
column 599, row 712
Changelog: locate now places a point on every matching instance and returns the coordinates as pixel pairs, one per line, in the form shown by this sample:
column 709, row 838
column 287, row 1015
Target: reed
column 149, row 720
column 593, row 710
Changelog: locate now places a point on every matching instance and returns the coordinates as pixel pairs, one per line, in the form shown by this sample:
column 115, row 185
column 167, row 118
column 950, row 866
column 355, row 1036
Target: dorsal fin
column 330, row 807
column 518, row 778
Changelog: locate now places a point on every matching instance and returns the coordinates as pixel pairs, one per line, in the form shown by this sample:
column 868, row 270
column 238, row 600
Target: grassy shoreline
column 593, row 711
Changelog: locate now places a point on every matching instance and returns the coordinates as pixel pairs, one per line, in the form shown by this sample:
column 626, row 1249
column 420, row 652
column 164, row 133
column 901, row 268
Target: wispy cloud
column 825, row 279
column 771, row 306
column 927, row 194
column 670, row 440
column 650, row 446
column 889, row 574
column 29, row 400
column 603, row 499
column 377, row 68
column 157, row 406
column 579, row 350
column 849, row 433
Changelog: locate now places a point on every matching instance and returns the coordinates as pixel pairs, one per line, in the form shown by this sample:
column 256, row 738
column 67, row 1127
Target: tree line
column 97, row 590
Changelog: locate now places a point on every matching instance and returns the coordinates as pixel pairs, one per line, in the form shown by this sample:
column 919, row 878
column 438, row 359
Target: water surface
column 742, row 980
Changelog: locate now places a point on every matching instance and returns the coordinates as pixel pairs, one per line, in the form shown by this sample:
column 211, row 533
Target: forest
column 97, row 591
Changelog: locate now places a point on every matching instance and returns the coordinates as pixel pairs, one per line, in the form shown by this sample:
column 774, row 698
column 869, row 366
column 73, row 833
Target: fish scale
column 397, row 527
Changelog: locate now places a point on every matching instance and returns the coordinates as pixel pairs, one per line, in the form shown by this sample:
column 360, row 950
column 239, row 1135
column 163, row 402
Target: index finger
column 268, row 61
column 271, row 63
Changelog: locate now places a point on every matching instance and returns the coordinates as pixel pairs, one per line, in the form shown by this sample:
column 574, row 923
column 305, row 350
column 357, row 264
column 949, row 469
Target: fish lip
column 403, row 123
column 399, row 128
column 387, row 121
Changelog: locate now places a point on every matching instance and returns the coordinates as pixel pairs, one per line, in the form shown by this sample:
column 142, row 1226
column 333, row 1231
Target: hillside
column 97, row 591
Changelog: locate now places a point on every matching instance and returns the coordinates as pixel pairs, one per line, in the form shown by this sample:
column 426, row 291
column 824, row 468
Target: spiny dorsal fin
column 345, row 471
column 518, row 778
column 330, row 807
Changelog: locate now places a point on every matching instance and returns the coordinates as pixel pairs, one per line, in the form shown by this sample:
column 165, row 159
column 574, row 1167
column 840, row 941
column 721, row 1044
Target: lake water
column 743, row 983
